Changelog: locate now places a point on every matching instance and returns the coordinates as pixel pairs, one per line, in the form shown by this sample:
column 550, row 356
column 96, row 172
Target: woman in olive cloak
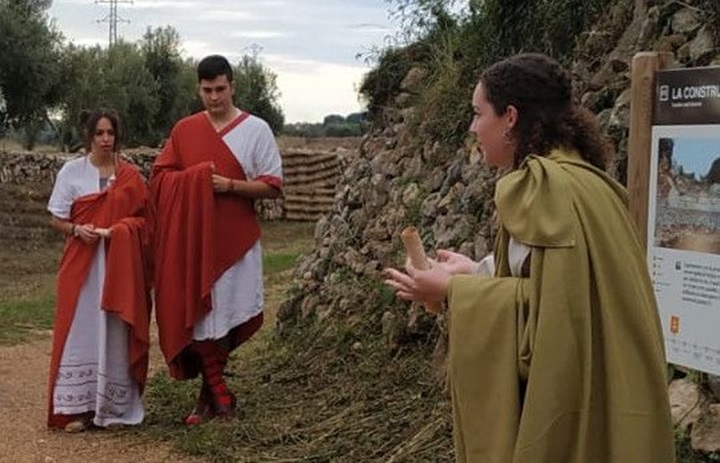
column 557, row 355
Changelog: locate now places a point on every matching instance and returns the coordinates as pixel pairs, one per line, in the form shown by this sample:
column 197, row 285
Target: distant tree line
column 46, row 85
column 333, row 125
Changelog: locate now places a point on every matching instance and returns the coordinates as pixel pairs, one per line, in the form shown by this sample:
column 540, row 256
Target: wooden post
column 644, row 65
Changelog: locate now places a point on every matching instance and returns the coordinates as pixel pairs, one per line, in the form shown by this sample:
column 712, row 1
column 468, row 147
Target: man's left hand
column 221, row 184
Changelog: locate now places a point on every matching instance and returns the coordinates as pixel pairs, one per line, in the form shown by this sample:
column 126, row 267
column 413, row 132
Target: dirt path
column 23, row 435
column 24, row 367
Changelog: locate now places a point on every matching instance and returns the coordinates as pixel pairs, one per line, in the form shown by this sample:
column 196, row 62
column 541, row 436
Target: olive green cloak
column 568, row 365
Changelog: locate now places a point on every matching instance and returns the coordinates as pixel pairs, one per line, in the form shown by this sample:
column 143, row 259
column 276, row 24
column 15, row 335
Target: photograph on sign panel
column 688, row 194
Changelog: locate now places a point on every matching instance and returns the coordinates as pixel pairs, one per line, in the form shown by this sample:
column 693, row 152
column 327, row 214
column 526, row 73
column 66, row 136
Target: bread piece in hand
column 418, row 259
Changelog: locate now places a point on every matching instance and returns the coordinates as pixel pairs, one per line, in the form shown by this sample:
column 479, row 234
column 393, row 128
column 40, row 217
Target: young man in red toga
column 208, row 284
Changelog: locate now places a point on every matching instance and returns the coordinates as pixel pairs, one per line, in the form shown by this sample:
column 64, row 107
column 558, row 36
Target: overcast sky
column 311, row 45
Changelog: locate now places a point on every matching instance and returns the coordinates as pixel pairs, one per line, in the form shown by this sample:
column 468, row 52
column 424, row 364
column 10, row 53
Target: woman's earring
column 506, row 135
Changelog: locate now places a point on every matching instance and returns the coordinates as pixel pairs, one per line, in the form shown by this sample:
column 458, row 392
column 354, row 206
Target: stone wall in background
column 311, row 178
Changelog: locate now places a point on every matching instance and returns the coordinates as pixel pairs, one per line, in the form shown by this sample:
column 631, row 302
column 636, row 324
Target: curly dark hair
column 90, row 121
column 541, row 91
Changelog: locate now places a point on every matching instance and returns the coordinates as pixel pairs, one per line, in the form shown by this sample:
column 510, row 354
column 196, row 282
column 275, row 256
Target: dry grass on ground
column 29, row 253
column 321, row 394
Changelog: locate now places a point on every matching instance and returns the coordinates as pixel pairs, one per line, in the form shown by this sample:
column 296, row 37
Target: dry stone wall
column 26, row 179
column 397, row 180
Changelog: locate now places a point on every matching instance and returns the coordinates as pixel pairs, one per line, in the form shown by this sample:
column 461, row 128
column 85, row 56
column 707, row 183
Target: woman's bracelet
column 72, row 229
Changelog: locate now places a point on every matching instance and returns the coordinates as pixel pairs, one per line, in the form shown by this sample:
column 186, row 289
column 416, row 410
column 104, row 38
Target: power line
column 112, row 19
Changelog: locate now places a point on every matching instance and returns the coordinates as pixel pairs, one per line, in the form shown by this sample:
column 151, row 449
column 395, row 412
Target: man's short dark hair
column 213, row 66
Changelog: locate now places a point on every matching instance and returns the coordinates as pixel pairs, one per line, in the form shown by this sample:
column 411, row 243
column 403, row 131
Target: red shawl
column 124, row 206
column 199, row 234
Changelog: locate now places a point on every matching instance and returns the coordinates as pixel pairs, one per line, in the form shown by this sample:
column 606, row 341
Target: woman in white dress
column 100, row 339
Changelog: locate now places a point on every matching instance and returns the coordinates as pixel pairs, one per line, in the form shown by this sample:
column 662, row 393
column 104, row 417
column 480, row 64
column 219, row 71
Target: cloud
column 157, row 4
column 196, row 48
column 370, row 28
column 274, row 3
column 313, row 89
column 311, row 46
column 85, row 41
column 282, row 63
column 224, row 15
column 259, row 34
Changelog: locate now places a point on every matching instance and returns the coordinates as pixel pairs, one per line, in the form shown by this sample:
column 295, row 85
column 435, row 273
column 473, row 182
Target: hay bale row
column 292, row 159
column 310, row 181
column 323, row 177
column 303, row 216
column 292, row 201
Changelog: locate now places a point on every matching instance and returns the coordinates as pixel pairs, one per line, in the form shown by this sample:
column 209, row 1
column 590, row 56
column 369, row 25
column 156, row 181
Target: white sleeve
column 62, row 196
column 517, row 253
column 266, row 157
column 486, row 266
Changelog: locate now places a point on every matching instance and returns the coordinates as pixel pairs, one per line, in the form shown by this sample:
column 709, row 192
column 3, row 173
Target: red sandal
column 224, row 405
column 203, row 409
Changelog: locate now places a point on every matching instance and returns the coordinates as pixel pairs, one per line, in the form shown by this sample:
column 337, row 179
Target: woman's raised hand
column 419, row 285
column 455, row 263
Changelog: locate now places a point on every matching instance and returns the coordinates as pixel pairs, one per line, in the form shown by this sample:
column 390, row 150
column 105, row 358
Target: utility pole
column 112, row 19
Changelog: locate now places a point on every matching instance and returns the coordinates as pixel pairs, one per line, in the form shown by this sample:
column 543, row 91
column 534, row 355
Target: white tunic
column 237, row 296
column 517, row 253
column 94, row 373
